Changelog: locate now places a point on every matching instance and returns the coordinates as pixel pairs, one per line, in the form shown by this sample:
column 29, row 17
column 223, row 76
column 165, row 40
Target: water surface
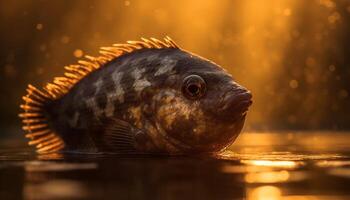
column 295, row 165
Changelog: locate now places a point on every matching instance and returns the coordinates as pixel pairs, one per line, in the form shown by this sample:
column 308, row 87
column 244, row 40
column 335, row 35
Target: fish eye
column 194, row 87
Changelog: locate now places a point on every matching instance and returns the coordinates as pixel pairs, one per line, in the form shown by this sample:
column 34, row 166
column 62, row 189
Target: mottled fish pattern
column 147, row 96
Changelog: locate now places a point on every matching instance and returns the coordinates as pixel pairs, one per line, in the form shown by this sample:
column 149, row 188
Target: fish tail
column 35, row 119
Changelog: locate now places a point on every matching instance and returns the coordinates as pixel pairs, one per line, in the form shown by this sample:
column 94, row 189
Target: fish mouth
column 237, row 104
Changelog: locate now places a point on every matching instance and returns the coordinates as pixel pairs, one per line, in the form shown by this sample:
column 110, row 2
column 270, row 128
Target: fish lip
column 244, row 105
column 238, row 99
column 236, row 104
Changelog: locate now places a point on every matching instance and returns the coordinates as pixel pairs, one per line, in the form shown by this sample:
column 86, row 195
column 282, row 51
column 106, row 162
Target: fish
column 139, row 97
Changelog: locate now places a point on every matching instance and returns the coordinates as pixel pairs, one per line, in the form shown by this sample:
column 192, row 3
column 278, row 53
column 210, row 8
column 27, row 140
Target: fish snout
column 237, row 102
column 242, row 101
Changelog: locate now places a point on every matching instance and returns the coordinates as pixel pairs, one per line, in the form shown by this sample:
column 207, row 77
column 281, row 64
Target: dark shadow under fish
column 146, row 96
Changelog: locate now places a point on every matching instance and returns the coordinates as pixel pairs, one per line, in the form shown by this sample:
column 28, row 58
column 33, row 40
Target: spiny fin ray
column 35, row 121
column 34, row 117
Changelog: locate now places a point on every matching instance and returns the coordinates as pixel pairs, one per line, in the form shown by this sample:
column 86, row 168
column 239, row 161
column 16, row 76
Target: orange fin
column 74, row 73
column 35, row 121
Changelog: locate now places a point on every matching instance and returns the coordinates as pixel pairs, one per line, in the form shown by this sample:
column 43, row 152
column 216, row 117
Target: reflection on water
column 270, row 163
column 265, row 193
column 55, row 189
column 253, row 168
column 267, row 177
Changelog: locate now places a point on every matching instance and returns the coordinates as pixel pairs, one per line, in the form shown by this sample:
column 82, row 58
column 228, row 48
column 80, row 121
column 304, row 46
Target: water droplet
column 310, row 62
column 327, row 3
column 65, row 39
column 334, row 17
column 331, row 68
column 343, row 94
column 293, row 84
column 39, row 27
column 43, row 47
column 78, row 53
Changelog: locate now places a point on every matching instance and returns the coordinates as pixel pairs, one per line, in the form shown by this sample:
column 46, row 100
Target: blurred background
column 292, row 54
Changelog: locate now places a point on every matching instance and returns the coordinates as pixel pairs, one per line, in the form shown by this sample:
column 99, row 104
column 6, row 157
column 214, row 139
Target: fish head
column 201, row 108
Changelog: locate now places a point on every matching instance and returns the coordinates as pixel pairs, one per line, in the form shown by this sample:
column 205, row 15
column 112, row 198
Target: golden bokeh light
column 78, row 53
column 267, row 177
column 265, row 193
column 39, row 27
column 288, row 53
column 272, row 163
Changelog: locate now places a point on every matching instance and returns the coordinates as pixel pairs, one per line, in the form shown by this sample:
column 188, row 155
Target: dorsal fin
column 35, row 123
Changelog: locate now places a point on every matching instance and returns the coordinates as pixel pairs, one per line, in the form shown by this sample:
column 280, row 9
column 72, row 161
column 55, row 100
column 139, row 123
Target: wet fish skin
column 135, row 103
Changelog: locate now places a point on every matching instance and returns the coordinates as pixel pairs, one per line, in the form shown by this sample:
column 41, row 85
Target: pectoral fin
column 118, row 136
